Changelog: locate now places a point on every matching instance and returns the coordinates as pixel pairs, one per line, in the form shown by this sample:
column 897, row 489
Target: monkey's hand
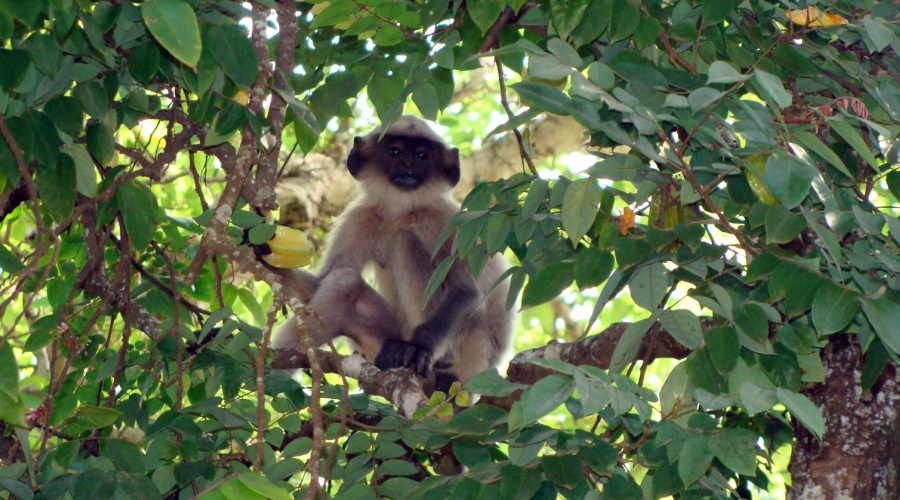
column 400, row 353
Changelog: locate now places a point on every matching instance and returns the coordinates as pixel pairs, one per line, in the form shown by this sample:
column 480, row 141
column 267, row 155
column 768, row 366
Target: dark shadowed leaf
column 138, row 205
column 736, row 448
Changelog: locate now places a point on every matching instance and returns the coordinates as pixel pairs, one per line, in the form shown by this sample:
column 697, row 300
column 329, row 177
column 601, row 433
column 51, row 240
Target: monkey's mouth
column 407, row 180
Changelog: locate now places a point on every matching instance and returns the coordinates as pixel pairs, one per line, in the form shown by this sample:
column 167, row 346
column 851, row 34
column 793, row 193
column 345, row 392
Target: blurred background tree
column 699, row 199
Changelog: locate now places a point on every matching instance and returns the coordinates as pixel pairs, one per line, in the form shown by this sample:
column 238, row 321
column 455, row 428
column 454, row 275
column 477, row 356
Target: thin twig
column 509, row 113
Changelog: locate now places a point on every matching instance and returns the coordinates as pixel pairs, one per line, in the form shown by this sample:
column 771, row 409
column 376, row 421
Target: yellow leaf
column 626, row 220
column 803, row 16
column 830, row 20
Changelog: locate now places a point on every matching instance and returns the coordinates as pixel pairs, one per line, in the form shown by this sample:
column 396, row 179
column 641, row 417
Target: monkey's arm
column 300, row 283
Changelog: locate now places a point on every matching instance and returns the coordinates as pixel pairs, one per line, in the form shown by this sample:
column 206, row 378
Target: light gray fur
column 387, row 229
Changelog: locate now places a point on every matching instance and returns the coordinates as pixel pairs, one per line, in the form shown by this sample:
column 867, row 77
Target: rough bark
column 859, row 455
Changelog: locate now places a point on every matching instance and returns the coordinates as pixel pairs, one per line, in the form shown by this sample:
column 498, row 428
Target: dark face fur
column 406, row 161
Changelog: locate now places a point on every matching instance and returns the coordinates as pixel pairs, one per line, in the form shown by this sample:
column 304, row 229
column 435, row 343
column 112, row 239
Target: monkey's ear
column 355, row 160
column 452, row 168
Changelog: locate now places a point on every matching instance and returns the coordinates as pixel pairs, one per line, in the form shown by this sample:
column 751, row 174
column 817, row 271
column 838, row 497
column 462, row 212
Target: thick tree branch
column 399, row 385
column 404, row 389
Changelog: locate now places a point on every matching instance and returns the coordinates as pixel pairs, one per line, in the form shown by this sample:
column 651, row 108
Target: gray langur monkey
column 402, row 205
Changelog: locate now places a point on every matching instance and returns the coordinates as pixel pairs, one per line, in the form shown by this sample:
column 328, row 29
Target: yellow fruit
column 757, row 185
column 242, row 97
column 290, row 248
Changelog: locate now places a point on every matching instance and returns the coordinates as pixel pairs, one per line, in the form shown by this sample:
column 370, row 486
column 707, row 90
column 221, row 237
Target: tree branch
column 404, row 389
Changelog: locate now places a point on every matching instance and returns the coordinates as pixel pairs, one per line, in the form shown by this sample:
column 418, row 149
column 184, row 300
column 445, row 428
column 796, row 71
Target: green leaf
column 476, row 420
column 490, row 383
column 262, row 486
column 788, row 179
column 715, row 12
column 627, row 347
column 543, row 397
column 396, row 468
column 234, row 52
column 782, row 226
column 426, row 99
column 126, row 456
column 9, row 262
column 485, row 12
column 756, row 399
column 56, row 186
column 627, row 17
column 548, row 283
column 878, row 30
column 174, row 25
column 138, row 206
column 66, row 114
column 519, row 483
column 137, row 486
column 703, row 97
column 884, row 316
column 893, row 183
column 803, row 410
column 143, row 61
column 818, row 147
column 631, row 251
column 849, row 134
column 185, row 472
column 579, row 208
column 544, row 97
column 593, row 266
column 93, row 99
column 649, row 286
column 14, row 63
column 723, row 72
column 246, row 219
column 18, row 488
column 724, row 348
column 833, row 308
column 101, row 142
column 563, row 470
column 752, row 321
column 646, row 32
column 93, row 484
column 11, row 408
column 694, row 459
column 225, row 124
column 789, row 57
column 45, row 53
column 437, row 278
column 684, row 326
column 702, row 373
column 566, row 15
column 592, row 394
column 736, row 448
column 88, row 417
column 773, row 86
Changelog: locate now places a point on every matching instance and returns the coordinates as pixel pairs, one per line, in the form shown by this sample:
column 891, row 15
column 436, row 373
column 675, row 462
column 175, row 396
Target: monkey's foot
column 400, row 353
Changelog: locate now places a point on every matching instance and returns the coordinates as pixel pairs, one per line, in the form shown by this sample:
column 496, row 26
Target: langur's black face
column 407, row 162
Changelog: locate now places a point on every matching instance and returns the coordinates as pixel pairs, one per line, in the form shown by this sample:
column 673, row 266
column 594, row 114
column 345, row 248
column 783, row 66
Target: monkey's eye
column 394, row 151
column 422, row 155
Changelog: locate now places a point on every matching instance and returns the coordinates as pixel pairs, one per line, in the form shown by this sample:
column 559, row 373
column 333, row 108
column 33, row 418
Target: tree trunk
column 859, row 456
